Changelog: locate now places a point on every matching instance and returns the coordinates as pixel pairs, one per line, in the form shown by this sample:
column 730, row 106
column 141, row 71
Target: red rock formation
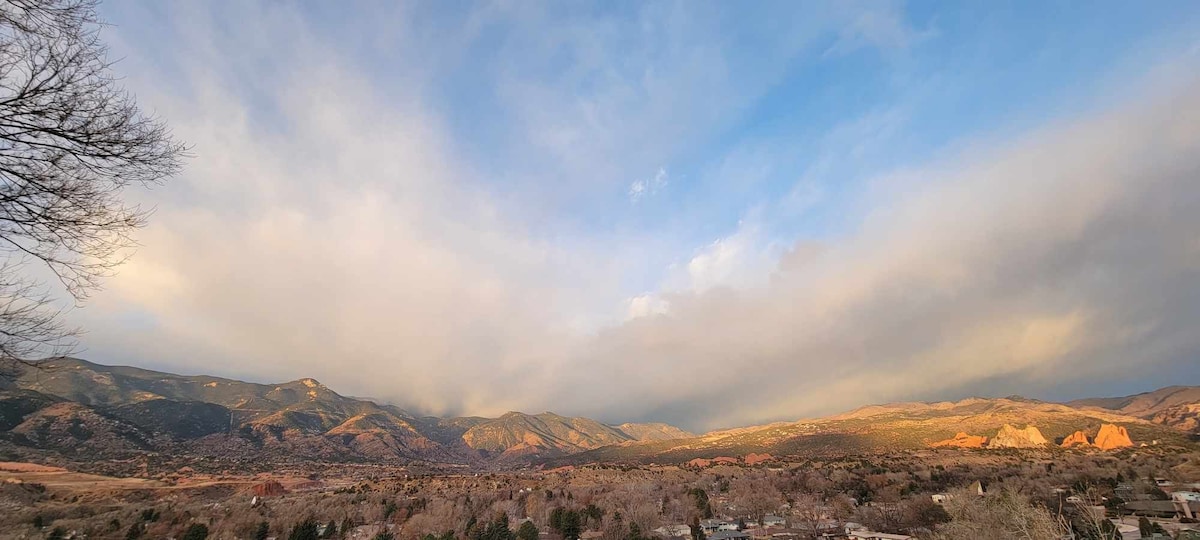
column 1112, row 437
column 962, row 440
column 752, row 458
column 701, row 462
column 269, row 488
column 1078, row 438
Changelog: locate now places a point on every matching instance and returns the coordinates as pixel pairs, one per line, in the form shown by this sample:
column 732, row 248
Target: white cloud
column 329, row 230
column 742, row 259
column 1054, row 258
column 648, row 186
column 646, row 305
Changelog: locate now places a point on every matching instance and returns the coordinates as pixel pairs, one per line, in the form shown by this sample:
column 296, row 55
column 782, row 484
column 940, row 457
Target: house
column 711, row 526
column 758, row 533
column 940, row 498
column 774, row 521
column 729, row 535
column 729, row 526
column 365, row 532
column 1166, row 509
column 1190, row 496
column 679, row 530
column 870, row 535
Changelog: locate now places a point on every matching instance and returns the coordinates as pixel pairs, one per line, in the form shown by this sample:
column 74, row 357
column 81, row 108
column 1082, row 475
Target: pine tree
column 305, row 530
column 135, row 531
column 198, row 531
column 527, row 531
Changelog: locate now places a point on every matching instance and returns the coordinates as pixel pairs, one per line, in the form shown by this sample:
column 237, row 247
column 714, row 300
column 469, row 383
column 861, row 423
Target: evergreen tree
column 263, row 531
column 568, row 523
column 135, row 531
column 1144, row 527
column 635, row 532
column 305, row 530
column 197, row 531
column 527, row 531
column 697, row 530
column 593, row 513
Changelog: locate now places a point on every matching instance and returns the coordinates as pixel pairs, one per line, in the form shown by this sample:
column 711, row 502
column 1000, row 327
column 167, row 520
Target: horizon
column 700, row 214
column 617, row 422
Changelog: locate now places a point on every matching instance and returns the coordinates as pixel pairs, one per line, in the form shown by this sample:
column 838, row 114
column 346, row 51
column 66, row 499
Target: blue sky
column 559, row 193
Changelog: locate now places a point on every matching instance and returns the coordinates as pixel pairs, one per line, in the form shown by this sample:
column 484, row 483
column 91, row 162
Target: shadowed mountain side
column 1175, row 406
column 231, row 418
column 1145, row 403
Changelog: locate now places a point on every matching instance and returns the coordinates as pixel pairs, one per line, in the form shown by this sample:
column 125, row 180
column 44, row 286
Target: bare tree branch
column 70, row 140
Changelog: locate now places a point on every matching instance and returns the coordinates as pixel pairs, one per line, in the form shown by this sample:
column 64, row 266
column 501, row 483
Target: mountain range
column 76, row 409
column 69, row 405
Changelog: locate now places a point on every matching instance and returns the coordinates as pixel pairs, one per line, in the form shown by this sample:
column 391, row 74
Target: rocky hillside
column 516, row 434
column 653, row 432
column 1184, row 417
column 76, row 406
column 970, row 423
column 1175, row 406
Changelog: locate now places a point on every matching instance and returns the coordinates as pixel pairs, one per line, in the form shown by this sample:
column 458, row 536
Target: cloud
column 646, row 305
column 648, row 187
column 881, row 25
column 335, row 227
column 742, row 259
column 1063, row 256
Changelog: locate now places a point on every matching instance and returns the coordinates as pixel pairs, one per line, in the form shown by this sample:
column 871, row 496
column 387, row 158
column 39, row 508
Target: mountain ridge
column 288, row 415
column 122, row 410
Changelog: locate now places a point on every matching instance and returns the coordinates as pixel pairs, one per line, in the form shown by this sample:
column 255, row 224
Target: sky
column 709, row 214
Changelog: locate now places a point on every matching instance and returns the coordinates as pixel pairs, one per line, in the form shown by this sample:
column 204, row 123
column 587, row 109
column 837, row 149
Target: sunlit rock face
column 1011, row 437
column 1112, row 437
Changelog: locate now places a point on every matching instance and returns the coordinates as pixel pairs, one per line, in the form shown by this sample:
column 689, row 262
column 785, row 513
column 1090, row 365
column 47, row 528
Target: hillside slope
column 653, row 431
column 515, row 434
column 301, row 419
column 884, row 427
column 1174, row 406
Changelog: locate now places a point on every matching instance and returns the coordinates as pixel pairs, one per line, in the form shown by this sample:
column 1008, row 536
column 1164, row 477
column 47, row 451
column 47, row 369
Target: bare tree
column 810, row 514
column 70, row 140
column 1002, row 516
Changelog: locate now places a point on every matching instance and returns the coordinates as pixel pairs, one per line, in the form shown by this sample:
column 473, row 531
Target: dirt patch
column 18, row 467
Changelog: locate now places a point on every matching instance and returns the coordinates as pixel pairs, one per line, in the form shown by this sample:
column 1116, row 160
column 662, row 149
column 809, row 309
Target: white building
column 1189, row 496
column 674, row 530
column 870, row 535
